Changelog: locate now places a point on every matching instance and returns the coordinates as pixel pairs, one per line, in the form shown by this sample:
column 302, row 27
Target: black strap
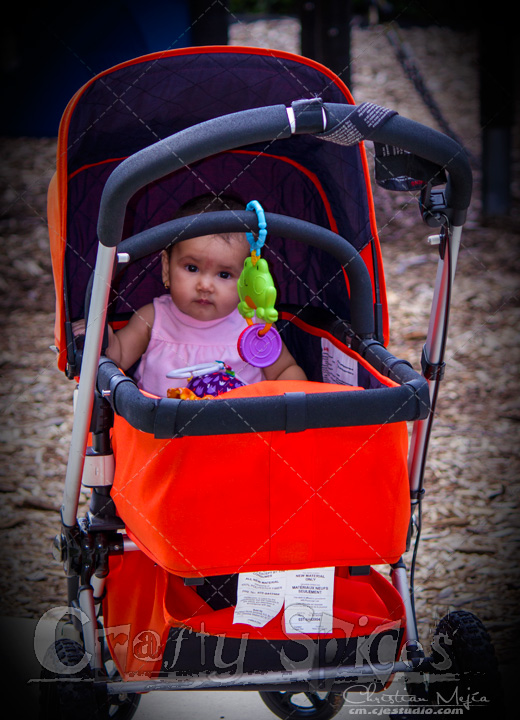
column 431, row 371
column 165, row 418
column 296, row 412
column 358, row 126
column 398, row 170
column 308, row 116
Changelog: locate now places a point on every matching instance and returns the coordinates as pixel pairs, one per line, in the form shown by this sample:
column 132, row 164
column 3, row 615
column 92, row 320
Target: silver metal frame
column 434, row 348
column 87, row 383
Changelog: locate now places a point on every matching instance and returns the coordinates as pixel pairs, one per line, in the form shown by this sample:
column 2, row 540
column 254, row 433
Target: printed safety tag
column 337, row 367
column 307, row 594
column 308, row 600
column 260, row 597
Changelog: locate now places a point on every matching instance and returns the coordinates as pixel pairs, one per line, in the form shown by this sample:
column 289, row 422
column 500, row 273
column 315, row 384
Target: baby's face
column 203, row 273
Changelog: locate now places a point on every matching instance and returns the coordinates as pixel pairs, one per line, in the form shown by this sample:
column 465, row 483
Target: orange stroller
column 230, row 542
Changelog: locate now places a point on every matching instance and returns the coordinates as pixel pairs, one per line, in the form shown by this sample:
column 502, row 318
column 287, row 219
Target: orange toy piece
column 186, row 394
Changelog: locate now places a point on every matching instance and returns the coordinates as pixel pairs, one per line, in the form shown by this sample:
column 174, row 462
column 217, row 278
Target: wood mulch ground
column 470, row 546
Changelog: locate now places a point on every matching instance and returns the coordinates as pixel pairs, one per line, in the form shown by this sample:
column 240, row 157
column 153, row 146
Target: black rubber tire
column 417, row 690
column 72, row 696
column 66, row 696
column 286, row 706
column 466, row 672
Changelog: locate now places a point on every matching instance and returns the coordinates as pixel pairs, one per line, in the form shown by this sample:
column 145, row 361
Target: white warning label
column 337, row 368
column 260, row 597
column 307, row 595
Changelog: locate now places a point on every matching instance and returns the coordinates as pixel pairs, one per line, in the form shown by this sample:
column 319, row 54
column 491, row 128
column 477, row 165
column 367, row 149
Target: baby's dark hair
column 210, row 202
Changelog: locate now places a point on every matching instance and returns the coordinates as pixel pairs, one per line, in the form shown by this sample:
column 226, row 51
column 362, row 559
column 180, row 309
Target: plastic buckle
column 434, row 207
column 309, row 116
column 431, row 371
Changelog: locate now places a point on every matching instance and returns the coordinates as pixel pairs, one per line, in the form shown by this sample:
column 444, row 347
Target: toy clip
column 258, row 345
column 257, row 245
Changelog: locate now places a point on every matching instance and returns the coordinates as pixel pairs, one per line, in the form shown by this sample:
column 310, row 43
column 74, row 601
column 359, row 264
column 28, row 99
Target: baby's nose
column 205, row 282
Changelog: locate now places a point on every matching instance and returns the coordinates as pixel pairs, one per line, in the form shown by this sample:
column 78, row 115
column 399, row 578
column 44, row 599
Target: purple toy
column 214, row 384
column 257, row 349
column 211, row 378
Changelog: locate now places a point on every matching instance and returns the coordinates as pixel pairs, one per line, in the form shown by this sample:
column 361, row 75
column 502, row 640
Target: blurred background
column 445, row 64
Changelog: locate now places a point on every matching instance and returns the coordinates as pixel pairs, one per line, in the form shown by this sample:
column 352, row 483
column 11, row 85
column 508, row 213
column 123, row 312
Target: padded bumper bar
column 168, row 418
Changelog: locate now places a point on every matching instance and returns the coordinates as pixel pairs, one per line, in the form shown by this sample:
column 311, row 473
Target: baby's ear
column 165, row 265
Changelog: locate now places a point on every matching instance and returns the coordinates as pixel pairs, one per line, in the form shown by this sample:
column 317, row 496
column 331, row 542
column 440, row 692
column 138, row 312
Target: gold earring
column 167, row 285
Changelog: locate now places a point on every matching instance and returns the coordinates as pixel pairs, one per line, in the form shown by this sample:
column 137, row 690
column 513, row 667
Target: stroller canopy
column 137, row 103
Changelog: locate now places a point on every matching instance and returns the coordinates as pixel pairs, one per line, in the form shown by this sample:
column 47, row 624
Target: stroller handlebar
column 338, row 123
column 347, row 124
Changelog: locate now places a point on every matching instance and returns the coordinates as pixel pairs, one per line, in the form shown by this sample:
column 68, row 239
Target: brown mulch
column 469, row 551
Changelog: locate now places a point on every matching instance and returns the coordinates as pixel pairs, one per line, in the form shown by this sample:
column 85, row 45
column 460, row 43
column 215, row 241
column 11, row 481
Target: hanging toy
column 259, row 344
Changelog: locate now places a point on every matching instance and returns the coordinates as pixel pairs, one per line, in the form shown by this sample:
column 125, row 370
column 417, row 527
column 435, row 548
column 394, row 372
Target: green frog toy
column 257, row 291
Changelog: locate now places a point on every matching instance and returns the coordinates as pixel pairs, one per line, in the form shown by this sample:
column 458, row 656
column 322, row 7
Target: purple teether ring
column 259, row 350
column 213, row 383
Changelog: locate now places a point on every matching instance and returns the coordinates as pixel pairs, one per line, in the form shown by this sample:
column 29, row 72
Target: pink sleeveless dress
column 178, row 340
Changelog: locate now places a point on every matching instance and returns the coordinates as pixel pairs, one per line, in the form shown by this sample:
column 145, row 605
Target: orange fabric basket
column 143, row 603
column 214, row 505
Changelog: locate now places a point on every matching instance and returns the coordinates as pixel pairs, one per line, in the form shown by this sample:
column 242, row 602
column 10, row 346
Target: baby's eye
column 225, row 275
column 191, row 268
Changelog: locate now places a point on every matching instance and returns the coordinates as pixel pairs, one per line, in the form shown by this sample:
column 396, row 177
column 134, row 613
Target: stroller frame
column 440, row 149
column 83, row 548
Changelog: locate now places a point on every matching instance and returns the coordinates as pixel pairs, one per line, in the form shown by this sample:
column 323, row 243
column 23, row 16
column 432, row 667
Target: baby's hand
column 78, row 327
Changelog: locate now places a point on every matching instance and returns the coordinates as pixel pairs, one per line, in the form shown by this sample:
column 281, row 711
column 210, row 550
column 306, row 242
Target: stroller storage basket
column 168, row 627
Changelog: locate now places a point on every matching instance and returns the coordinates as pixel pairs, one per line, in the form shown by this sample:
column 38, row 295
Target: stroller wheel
column 295, row 706
column 66, row 689
column 465, row 668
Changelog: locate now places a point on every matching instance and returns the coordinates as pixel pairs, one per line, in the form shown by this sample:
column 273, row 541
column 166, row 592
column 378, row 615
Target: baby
column 197, row 321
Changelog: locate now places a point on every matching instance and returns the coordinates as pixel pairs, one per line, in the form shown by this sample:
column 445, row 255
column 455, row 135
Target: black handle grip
column 411, row 136
column 270, row 124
